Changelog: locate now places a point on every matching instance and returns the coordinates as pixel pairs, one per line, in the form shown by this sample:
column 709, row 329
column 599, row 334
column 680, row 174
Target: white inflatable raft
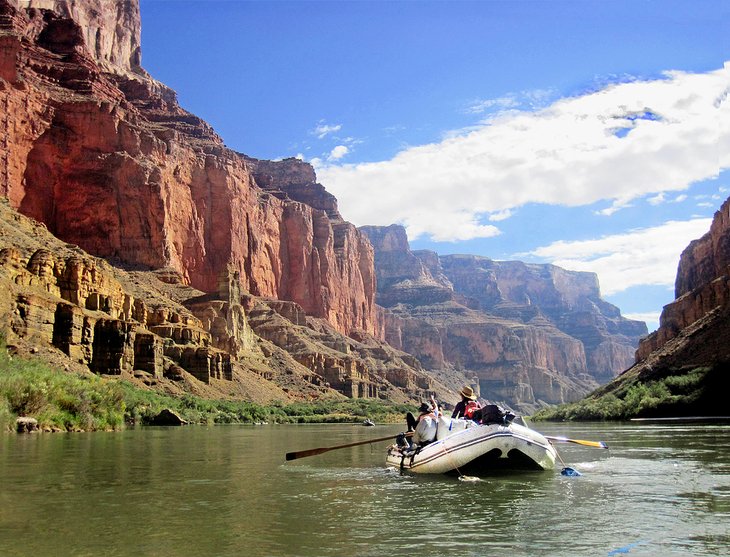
column 465, row 447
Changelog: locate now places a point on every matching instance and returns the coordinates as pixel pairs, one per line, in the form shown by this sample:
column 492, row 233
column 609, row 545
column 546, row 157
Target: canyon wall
column 81, row 313
column 683, row 368
column 702, row 285
column 526, row 334
column 161, row 255
column 167, row 258
column 107, row 159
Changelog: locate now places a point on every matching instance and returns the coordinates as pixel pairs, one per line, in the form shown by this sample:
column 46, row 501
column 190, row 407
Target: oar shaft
column 312, row 452
column 596, row 444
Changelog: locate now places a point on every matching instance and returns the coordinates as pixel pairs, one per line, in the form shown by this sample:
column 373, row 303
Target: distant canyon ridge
column 135, row 243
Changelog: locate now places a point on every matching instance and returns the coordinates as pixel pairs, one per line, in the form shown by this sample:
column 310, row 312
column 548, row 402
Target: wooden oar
column 596, row 444
column 320, row 450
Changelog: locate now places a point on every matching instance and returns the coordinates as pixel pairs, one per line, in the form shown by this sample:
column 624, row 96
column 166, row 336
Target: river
column 227, row 491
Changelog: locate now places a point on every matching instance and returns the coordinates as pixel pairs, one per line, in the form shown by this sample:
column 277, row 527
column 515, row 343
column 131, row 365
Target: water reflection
column 227, row 491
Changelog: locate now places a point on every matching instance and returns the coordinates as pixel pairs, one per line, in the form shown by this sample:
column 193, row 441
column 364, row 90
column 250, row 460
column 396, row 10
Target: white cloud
column 338, row 152
column 662, row 198
column 323, row 130
column 657, row 199
column 646, row 256
column 482, row 106
column 501, row 215
column 530, row 100
column 651, row 318
column 449, row 227
column 565, row 154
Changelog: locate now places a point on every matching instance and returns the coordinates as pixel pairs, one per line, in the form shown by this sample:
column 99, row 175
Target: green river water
column 227, row 491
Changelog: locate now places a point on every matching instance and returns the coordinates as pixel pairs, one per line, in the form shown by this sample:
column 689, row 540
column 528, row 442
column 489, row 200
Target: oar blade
column 570, row 472
column 310, row 452
column 596, row 444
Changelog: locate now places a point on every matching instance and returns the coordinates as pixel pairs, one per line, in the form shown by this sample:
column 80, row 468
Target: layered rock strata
column 150, row 328
column 528, row 335
column 106, row 158
column 65, row 298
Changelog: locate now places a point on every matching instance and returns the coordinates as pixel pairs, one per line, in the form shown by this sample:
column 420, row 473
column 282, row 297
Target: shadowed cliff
column 682, row 368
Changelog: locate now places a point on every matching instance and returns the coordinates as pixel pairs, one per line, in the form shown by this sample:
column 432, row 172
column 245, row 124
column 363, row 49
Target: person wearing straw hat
column 468, row 404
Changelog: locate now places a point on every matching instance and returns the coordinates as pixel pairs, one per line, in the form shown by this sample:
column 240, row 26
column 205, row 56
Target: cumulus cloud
column 647, row 256
column 662, row 198
column 338, row 152
column 568, row 153
column 501, row 215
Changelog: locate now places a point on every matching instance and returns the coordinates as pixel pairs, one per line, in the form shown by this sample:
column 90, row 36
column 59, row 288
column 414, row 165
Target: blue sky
column 594, row 135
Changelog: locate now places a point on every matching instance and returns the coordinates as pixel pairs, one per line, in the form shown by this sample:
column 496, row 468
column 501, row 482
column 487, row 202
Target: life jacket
column 471, row 407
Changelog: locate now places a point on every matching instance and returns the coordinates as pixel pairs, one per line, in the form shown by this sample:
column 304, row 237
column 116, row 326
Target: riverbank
column 63, row 401
column 693, row 391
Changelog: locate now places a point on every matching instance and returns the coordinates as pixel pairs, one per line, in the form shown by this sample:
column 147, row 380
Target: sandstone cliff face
column 222, row 274
column 106, row 158
column 57, row 295
column 702, row 285
column 110, row 29
column 526, row 334
column 84, row 314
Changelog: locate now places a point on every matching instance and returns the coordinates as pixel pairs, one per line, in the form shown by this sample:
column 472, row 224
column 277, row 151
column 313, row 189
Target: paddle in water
column 312, row 452
column 567, row 470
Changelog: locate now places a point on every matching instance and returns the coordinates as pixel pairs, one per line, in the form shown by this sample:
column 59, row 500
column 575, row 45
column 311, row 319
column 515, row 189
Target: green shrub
column 670, row 394
column 66, row 401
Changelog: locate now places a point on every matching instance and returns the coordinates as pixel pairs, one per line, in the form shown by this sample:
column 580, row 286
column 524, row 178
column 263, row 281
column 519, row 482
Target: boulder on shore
column 167, row 417
column 24, row 424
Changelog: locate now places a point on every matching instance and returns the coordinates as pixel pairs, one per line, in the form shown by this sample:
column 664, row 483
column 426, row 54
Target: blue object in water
column 570, row 472
column 626, row 548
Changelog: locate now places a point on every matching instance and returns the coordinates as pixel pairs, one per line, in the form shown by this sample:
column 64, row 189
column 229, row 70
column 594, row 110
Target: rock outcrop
column 148, row 327
column 526, row 334
column 682, row 368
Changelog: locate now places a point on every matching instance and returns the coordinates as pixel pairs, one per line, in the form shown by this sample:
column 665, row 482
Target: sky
column 594, row 135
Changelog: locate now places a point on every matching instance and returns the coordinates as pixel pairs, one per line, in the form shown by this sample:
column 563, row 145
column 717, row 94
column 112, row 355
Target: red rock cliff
column 107, row 159
column 702, row 285
column 525, row 334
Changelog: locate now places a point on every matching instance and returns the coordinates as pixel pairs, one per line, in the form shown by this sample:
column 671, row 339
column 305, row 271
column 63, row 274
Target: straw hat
column 468, row 392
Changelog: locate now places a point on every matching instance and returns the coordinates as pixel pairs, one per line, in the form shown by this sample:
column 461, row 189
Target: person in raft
column 426, row 409
column 468, row 406
column 426, row 424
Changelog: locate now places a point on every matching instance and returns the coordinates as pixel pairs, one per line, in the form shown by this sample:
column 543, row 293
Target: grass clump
column 59, row 401
column 340, row 411
column 64, row 401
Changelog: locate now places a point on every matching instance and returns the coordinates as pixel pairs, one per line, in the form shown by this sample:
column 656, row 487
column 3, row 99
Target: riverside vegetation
column 63, row 401
column 683, row 393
